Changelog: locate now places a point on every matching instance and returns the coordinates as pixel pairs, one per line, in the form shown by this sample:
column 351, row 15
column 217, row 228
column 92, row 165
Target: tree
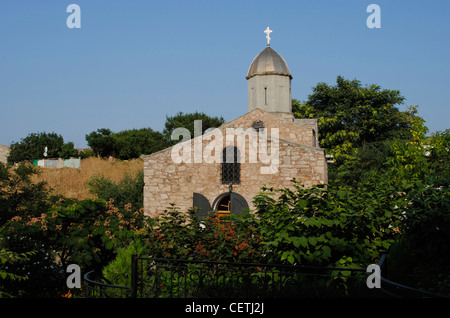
column 136, row 142
column 33, row 147
column 40, row 146
column 19, row 195
column 68, row 151
column 351, row 116
column 20, row 198
column 102, row 142
column 86, row 233
column 126, row 144
column 181, row 120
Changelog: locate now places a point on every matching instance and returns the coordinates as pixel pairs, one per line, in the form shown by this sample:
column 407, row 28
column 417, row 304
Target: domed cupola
column 268, row 62
column 269, row 82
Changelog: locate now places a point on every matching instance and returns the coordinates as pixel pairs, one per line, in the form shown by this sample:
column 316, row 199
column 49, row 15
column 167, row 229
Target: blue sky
column 132, row 63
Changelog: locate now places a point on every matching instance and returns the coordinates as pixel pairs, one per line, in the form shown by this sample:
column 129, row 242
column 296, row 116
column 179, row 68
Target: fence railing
column 393, row 289
column 157, row 277
column 96, row 287
column 190, row 278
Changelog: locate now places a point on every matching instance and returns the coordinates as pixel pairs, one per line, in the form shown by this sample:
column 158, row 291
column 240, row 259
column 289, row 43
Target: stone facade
column 168, row 182
column 269, row 148
column 4, row 153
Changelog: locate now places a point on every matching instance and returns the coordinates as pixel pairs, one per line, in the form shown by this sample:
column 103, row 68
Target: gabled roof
column 260, row 115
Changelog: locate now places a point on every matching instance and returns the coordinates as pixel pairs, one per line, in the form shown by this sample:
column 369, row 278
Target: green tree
column 20, row 198
column 87, row 233
column 19, row 195
column 126, row 144
column 33, row 147
column 8, row 260
column 68, row 151
column 351, row 116
column 102, row 142
column 181, row 120
column 136, row 142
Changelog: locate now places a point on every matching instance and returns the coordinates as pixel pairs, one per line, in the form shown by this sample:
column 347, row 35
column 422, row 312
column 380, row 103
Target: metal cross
column 268, row 31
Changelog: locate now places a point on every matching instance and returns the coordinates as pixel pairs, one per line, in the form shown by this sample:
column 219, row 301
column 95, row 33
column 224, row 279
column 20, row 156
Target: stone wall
column 4, row 153
column 168, row 182
column 300, row 131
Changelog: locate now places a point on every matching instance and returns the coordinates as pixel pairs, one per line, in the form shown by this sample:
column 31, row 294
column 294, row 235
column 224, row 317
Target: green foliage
column 33, row 147
column 427, row 222
column 68, row 151
column 127, row 144
column 86, row 153
column 181, row 235
column 129, row 190
column 86, row 233
column 350, row 116
column 327, row 225
column 9, row 259
column 101, row 142
column 181, row 120
column 18, row 194
column 136, row 142
column 119, row 270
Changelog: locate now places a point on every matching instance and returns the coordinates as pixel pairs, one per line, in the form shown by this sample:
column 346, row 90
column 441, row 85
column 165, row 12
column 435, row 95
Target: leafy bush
column 19, row 195
column 33, row 147
column 129, row 190
column 327, row 225
column 86, row 233
column 182, row 235
column 119, row 270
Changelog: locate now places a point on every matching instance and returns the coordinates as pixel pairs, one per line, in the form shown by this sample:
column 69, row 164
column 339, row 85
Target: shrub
column 327, row 225
column 129, row 190
column 87, row 233
column 119, row 270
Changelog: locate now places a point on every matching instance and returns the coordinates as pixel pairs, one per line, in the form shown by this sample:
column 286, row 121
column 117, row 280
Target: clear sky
column 132, row 63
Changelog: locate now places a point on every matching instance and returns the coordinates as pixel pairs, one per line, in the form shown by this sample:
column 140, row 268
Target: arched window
column 258, row 125
column 231, row 167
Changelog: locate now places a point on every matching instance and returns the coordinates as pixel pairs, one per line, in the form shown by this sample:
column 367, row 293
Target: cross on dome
column 268, row 31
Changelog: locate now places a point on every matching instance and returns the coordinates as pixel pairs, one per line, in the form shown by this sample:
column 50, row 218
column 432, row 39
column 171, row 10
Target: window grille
column 231, row 167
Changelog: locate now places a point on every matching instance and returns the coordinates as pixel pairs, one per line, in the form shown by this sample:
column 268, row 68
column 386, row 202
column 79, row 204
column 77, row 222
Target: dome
column 268, row 62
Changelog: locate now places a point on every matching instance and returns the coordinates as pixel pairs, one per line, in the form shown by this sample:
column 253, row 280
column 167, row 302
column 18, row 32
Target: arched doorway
column 226, row 203
column 229, row 203
column 224, row 206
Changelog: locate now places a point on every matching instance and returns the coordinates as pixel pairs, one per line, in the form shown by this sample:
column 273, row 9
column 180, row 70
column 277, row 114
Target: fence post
column 133, row 276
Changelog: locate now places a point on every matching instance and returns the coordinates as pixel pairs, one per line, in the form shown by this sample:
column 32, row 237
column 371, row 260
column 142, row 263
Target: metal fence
column 95, row 286
column 171, row 278
column 192, row 279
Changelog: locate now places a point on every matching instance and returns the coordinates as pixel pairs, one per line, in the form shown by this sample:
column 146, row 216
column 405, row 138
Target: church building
column 224, row 168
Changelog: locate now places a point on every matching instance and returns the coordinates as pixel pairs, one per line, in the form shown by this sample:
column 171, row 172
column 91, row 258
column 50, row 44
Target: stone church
column 224, row 168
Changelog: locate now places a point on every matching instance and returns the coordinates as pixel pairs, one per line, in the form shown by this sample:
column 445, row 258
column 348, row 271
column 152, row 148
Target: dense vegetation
column 388, row 191
column 133, row 143
column 124, row 145
column 41, row 145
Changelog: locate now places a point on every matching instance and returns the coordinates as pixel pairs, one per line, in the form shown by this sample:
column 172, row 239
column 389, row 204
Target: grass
column 73, row 183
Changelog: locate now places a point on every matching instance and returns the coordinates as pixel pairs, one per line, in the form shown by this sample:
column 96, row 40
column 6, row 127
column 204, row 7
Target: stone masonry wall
column 288, row 130
column 4, row 153
column 168, row 182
